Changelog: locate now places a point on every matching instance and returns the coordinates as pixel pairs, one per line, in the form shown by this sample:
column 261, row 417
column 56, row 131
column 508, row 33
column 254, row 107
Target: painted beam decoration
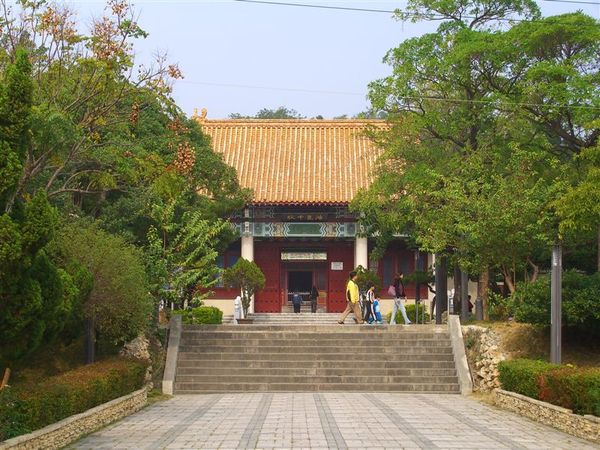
column 298, row 229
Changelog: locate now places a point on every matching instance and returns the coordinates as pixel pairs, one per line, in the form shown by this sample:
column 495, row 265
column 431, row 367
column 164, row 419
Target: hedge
column 201, row 314
column 573, row 388
column 25, row 409
column 411, row 313
column 567, row 386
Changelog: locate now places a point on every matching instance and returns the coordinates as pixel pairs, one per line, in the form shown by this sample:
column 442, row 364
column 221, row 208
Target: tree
column 35, row 295
column 118, row 303
column 469, row 167
column 280, row 113
column 579, row 207
column 85, row 96
column 185, row 268
column 248, row 277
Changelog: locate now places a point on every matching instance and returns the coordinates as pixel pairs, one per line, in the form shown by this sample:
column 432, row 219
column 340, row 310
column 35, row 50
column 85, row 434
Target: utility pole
column 417, row 285
column 556, row 308
column 441, row 287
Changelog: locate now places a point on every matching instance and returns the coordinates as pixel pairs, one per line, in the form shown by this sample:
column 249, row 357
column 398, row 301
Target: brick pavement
column 326, row 420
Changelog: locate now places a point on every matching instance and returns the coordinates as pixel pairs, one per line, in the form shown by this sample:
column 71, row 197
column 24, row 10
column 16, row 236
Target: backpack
column 392, row 290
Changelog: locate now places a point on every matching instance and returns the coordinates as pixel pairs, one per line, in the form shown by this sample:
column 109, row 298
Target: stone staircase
column 317, row 357
column 301, row 318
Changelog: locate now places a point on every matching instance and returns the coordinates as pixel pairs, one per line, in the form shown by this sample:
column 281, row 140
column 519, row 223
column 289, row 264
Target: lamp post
column 417, row 285
column 556, row 305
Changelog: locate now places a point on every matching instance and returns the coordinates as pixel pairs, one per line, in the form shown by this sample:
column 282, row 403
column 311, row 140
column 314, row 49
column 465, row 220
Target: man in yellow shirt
column 352, row 300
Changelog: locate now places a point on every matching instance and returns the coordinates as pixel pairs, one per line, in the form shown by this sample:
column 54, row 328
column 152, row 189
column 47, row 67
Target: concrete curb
column 460, row 357
column 69, row 430
column 172, row 353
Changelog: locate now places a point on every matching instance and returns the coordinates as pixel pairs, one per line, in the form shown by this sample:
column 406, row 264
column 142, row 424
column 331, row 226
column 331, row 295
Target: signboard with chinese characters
column 337, row 265
column 303, row 256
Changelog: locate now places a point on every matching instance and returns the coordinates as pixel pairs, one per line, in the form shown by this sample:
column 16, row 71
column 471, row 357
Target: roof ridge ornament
column 202, row 117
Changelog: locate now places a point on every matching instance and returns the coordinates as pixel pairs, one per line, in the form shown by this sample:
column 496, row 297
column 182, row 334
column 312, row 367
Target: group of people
column 371, row 310
column 313, row 296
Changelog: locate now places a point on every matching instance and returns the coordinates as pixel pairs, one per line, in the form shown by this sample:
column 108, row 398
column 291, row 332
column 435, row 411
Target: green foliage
column 411, row 312
column 530, row 303
column 118, row 302
column 567, row 386
column 280, row 113
column 248, row 277
column 497, row 306
column 521, row 375
column 478, row 159
column 25, row 410
column 367, row 277
column 572, row 388
column 201, row 315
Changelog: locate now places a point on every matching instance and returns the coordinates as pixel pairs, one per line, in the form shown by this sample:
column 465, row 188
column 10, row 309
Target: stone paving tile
column 372, row 421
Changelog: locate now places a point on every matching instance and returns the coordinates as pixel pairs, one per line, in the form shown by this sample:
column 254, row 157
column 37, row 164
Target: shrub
column 202, row 314
column 118, row 300
column 26, row 409
column 521, row 375
column 531, row 301
column 248, row 277
column 411, row 311
column 572, row 388
column 497, row 306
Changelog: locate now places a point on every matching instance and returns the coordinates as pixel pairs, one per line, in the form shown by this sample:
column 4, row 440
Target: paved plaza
column 326, row 420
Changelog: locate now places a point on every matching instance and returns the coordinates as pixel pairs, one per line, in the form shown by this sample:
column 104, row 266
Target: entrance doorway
column 300, row 282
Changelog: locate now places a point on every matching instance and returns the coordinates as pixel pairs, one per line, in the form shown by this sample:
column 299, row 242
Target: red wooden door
column 267, row 256
column 339, row 252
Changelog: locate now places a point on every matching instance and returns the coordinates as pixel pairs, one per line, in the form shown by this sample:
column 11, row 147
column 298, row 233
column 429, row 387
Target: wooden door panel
column 267, row 257
column 339, row 252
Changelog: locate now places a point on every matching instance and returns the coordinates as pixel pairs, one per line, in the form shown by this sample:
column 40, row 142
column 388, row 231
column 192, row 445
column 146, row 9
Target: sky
column 240, row 57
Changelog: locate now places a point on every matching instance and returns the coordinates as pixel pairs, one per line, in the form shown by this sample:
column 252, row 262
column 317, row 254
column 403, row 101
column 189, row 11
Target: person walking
column 352, row 300
column 400, row 297
column 297, row 302
column 314, row 295
column 370, row 298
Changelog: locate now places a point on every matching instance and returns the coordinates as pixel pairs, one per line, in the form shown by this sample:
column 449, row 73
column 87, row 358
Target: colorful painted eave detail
column 298, row 229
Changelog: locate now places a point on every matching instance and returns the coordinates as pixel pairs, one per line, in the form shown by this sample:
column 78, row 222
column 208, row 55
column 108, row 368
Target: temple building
column 298, row 227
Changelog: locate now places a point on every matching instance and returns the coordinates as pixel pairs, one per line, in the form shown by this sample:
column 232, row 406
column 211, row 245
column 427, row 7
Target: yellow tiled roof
column 297, row 161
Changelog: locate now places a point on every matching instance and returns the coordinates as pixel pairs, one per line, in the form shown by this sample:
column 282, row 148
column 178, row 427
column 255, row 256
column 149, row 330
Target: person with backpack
column 399, row 298
column 369, row 316
column 352, row 297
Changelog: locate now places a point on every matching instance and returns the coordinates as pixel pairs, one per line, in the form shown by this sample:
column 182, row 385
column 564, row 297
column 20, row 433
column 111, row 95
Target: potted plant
column 246, row 276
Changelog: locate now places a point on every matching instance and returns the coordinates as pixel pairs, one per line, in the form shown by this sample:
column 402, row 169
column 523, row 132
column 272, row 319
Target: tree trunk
column 508, row 279
column 484, row 280
column 90, row 342
column 536, row 270
column 457, row 289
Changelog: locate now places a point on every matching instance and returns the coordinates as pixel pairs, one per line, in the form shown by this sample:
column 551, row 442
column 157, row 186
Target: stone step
column 374, row 342
column 324, row 328
column 197, row 388
column 317, row 379
column 351, row 356
column 314, row 371
column 314, row 356
column 233, row 364
column 365, row 348
column 310, row 335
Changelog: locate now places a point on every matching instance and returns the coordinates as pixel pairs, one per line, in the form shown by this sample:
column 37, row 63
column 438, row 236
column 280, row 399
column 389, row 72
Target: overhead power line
column 390, row 11
column 410, row 98
column 579, row 2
